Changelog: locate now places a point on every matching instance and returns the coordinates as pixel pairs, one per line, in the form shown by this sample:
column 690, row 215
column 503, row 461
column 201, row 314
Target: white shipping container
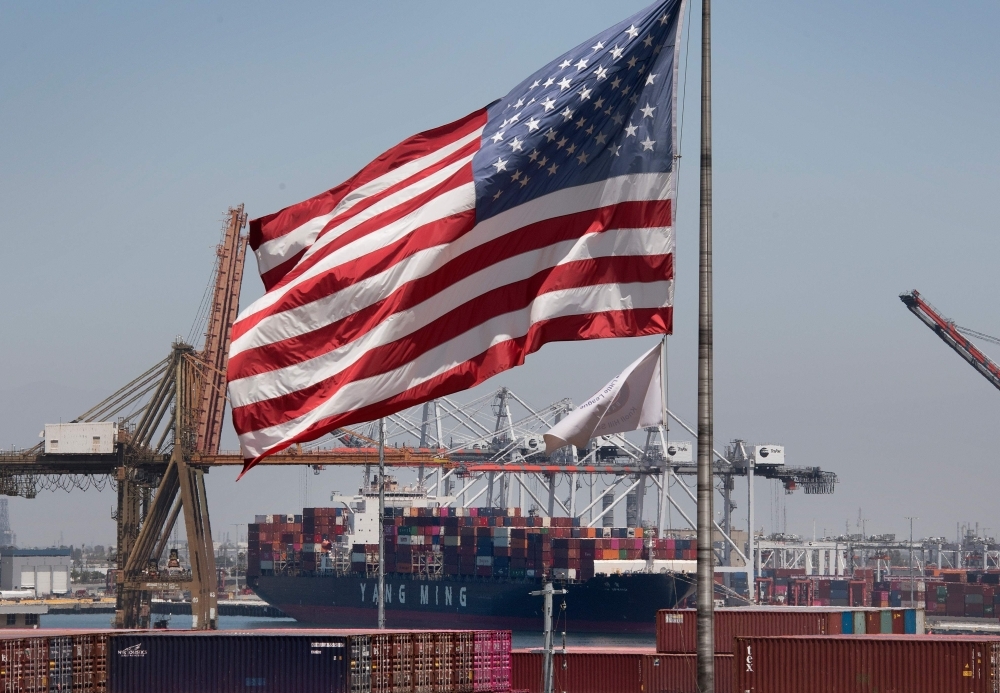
column 564, row 573
column 92, row 438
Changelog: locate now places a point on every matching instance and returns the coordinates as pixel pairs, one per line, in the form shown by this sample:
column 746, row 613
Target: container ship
column 456, row 567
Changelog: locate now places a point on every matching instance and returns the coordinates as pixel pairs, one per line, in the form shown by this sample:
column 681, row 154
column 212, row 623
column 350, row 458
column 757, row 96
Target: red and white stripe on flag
column 387, row 291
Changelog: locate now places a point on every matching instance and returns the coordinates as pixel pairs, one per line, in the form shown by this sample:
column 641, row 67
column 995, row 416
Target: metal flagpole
column 381, row 522
column 664, row 435
column 706, row 582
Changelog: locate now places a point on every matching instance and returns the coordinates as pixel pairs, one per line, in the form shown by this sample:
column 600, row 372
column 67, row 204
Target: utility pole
column 381, row 524
column 547, row 669
column 706, row 578
column 911, row 519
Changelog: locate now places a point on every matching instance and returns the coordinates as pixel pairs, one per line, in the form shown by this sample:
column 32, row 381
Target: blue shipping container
column 186, row 662
column 847, row 623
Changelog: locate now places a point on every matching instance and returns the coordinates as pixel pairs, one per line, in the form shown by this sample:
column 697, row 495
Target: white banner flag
column 632, row 400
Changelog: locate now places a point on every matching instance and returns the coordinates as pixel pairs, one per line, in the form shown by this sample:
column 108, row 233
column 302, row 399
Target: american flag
column 546, row 216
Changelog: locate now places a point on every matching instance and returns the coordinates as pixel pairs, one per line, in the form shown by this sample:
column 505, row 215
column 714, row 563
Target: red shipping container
column 676, row 628
column 624, row 670
column 581, row 670
column 678, row 673
column 910, row 663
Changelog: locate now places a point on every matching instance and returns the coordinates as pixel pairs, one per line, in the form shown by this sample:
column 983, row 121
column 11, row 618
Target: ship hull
column 615, row 604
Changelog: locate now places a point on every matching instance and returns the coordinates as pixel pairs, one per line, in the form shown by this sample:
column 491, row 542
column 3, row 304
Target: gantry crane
column 954, row 336
column 169, row 427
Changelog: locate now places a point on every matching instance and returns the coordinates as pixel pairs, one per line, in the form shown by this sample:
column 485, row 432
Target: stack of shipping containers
column 53, row 660
column 277, row 541
column 965, row 593
column 968, row 593
column 292, row 661
column 672, row 666
column 480, row 542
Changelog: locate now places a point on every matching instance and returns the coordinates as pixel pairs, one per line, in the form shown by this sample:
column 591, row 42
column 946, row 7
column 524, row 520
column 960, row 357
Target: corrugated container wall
column 92, row 438
column 676, row 628
column 593, row 670
column 581, row 671
column 231, row 663
column 678, row 673
column 910, row 664
column 53, row 660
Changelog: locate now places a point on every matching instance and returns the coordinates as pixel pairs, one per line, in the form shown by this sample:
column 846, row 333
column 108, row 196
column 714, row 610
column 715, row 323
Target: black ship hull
column 613, row 604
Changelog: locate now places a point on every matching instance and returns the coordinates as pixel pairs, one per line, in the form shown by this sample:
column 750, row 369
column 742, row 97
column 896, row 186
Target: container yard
column 312, row 661
column 645, row 548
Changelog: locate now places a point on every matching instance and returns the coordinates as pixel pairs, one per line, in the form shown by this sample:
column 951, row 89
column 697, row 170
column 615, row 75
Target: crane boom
column 952, row 336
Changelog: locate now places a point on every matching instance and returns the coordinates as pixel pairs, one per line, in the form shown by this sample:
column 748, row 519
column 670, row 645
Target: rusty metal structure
column 168, row 418
column 193, row 384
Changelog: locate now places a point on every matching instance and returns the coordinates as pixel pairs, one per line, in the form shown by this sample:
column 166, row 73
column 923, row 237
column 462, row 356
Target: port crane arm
column 953, row 336
column 978, row 335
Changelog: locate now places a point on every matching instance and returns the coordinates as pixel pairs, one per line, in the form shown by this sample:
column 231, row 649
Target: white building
column 46, row 571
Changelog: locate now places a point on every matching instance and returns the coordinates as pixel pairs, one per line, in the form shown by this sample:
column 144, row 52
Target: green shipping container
column 860, row 626
column 886, row 622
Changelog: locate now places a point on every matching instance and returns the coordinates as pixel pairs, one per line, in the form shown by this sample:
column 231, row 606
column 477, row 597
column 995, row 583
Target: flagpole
column 664, row 436
column 381, row 524
column 706, row 578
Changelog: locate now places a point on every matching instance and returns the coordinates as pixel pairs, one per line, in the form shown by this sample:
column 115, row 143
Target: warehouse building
column 46, row 571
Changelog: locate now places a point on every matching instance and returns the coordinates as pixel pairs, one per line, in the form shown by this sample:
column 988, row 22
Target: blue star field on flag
column 601, row 110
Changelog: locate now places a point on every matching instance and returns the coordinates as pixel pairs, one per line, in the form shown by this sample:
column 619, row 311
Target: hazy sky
column 857, row 155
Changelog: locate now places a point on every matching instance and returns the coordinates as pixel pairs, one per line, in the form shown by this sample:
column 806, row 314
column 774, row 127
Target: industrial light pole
column 911, row 519
column 381, row 524
column 706, row 568
column 547, row 670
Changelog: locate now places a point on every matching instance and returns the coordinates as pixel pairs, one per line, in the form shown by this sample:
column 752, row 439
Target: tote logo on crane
column 133, row 651
column 769, row 454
